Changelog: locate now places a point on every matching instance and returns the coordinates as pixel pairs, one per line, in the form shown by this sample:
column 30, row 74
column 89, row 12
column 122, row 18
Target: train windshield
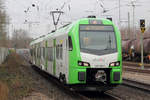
column 97, row 39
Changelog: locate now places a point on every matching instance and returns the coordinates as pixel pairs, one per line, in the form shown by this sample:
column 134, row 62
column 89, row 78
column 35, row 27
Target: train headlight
column 81, row 63
column 114, row 64
column 118, row 63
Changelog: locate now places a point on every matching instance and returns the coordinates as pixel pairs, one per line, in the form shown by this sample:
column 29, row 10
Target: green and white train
column 85, row 55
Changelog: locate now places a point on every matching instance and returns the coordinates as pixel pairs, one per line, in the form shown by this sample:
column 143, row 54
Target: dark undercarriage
column 92, row 84
column 90, row 87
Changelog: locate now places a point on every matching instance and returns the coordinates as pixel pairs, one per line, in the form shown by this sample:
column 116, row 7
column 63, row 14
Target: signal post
column 142, row 26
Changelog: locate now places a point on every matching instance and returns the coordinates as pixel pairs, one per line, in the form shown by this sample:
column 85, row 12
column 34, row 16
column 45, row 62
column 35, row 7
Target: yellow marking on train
column 61, row 41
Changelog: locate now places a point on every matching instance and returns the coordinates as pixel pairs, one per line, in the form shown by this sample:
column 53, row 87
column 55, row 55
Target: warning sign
column 142, row 29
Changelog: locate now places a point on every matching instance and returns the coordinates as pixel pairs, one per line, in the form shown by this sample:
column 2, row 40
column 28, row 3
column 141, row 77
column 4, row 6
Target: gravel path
column 127, row 93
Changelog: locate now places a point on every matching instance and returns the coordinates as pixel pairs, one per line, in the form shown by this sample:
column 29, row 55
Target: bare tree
column 3, row 25
column 20, row 39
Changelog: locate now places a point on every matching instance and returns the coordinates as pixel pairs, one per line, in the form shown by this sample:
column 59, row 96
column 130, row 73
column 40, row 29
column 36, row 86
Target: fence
column 3, row 54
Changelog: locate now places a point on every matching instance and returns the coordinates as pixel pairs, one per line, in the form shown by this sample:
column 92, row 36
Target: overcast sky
column 41, row 21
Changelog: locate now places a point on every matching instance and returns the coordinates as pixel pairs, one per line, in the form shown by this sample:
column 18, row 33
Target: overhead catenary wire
column 59, row 12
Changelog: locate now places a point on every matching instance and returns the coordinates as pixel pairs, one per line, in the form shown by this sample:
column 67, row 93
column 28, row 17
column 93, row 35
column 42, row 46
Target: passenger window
column 40, row 52
column 36, row 52
column 51, row 57
column 31, row 52
column 57, row 51
column 70, row 43
column 61, row 52
column 44, row 53
column 50, row 53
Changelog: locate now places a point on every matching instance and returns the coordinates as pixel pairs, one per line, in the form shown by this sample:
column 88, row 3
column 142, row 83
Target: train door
column 38, row 56
column 45, row 54
column 42, row 64
column 65, row 68
column 42, row 59
column 66, row 56
column 58, row 55
column 32, row 54
column 61, row 57
column 50, row 54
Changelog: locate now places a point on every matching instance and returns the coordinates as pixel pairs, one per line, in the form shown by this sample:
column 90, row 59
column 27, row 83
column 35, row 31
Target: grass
column 14, row 83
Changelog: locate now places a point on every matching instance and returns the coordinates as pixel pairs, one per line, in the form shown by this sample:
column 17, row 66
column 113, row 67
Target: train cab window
column 70, row 43
column 97, row 39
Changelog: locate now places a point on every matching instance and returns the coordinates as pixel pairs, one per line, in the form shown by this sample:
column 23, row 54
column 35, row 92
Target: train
column 85, row 55
column 131, row 50
column 131, row 45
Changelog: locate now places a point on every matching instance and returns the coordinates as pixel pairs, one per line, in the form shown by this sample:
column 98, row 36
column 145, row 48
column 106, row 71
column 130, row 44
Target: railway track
column 136, row 85
column 114, row 96
column 56, row 82
column 134, row 67
column 138, row 70
column 97, row 95
column 109, row 95
column 81, row 95
column 135, row 64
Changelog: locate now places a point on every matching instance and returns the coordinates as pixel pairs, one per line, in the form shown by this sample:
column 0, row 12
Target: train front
column 95, row 60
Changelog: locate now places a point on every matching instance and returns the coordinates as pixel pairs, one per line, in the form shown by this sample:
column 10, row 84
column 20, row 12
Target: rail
column 136, row 85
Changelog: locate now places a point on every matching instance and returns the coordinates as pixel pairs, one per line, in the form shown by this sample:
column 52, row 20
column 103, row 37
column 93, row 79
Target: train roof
column 68, row 27
column 37, row 40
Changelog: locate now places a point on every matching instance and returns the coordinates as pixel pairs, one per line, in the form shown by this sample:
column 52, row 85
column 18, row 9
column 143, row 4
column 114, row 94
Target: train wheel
column 62, row 78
